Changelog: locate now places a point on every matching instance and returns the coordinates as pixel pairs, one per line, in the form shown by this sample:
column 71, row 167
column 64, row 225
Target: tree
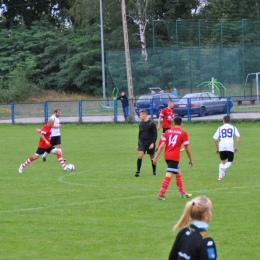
column 18, row 87
column 231, row 9
column 177, row 9
column 138, row 11
column 26, row 12
column 143, row 12
column 52, row 58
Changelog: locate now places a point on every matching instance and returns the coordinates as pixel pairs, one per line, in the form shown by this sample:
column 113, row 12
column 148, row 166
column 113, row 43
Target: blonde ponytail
column 193, row 210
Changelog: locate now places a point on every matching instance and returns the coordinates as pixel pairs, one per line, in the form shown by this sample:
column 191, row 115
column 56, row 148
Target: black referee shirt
column 147, row 132
column 193, row 243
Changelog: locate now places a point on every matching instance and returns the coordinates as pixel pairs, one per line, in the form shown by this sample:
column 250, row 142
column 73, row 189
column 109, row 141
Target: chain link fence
column 187, row 53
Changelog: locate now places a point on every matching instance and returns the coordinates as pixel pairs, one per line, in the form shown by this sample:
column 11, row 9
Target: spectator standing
column 125, row 104
column 193, row 241
column 175, row 92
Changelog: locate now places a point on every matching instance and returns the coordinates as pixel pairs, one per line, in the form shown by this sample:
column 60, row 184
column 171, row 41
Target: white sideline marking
column 60, row 179
column 114, row 199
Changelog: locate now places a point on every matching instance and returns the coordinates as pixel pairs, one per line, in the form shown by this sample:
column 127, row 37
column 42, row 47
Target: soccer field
column 101, row 211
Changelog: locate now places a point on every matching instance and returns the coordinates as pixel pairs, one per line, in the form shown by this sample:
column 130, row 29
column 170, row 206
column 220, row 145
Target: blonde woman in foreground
column 193, row 241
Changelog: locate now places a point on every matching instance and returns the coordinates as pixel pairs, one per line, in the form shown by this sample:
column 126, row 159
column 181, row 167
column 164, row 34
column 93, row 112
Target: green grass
column 245, row 108
column 101, row 211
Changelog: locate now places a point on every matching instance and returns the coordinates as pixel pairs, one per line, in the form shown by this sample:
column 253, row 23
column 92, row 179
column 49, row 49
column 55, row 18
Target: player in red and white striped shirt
column 172, row 142
column 44, row 145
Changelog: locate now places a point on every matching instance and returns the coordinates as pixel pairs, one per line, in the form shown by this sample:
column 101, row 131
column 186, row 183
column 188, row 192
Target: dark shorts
column 143, row 147
column 55, row 140
column 42, row 150
column 172, row 166
column 165, row 129
column 226, row 155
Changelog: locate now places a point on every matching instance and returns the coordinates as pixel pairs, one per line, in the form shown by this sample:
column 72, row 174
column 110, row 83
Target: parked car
column 159, row 101
column 202, row 104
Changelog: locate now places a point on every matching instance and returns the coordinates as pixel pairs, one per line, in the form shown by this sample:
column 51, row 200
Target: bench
column 251, row 100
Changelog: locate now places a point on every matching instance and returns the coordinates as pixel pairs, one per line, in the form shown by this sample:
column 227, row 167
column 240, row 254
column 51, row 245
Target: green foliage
column 20, row 12
column 60, row 46
column 53, row 58
column 230, row 9
column 18, row 87
column 101, row 211
column 172, row 10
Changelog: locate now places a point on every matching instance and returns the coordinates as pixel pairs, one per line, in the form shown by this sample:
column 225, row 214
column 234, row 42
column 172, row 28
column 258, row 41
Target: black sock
column 154, row 166
column 139, row 164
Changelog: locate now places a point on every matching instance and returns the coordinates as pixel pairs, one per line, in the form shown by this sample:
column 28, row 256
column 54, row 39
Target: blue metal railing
column 22, row 112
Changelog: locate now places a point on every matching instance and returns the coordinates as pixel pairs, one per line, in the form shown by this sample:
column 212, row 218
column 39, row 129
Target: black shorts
column 226, row 155
column 42, row 150
column 56, row 140
column 165, row 129
column 172, row 166
column 144, row 147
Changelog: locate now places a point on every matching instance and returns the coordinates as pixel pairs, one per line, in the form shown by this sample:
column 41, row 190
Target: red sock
column 60, row 159
column 180, row 184
column 165, row 185
column 29, row 160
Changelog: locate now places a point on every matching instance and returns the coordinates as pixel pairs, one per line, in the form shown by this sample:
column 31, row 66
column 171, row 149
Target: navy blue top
column 124, row 100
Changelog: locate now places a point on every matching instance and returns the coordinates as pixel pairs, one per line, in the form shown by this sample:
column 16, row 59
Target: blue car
column 159, row 102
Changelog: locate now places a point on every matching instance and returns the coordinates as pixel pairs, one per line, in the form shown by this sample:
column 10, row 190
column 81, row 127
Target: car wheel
column 159, row 111
column 181, row 114
column 202, row 111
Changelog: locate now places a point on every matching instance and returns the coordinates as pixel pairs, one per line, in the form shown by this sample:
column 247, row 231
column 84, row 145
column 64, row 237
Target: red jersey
column 167, row 115
column 46, row 131
column 173, row 139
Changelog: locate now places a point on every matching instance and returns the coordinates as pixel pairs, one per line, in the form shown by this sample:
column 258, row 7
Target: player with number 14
column 171, row 143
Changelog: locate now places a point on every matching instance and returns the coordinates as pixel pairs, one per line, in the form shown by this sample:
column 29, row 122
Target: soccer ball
column 70, row 167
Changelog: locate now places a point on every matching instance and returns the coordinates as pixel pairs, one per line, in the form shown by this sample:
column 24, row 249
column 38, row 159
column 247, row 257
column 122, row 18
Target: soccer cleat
column 219, row 179
column 154, row 173
column 21, row 169
column 137, row 174
column 161, row 197
column 44, row 159
column 186, row 196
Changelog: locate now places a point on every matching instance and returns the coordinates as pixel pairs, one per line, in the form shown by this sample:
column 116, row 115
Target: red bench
column 251, row 100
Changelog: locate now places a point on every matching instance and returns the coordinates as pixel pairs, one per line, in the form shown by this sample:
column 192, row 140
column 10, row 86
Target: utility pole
column 128, row 63
column 102, row 53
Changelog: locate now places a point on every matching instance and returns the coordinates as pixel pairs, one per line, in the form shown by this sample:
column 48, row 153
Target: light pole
column 128, row 63
column 102, row 54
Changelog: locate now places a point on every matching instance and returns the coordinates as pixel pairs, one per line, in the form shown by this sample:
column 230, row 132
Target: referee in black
column 146, row 140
